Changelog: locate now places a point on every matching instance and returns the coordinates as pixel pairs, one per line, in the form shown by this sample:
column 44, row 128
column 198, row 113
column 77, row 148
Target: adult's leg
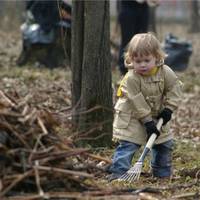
column 143, row 19
column 127, row 21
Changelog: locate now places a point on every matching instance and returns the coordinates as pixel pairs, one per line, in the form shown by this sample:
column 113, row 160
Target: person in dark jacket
column 133, row 18
column 46, row 12
column 45, row 20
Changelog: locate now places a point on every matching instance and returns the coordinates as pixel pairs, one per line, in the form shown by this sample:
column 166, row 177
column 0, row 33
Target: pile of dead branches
column 34, row 160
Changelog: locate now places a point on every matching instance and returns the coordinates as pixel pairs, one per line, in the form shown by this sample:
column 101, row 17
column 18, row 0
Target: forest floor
column 51, row 89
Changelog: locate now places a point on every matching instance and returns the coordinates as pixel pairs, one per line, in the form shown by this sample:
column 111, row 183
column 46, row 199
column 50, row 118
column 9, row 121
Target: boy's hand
column 166, row 115
column 151, row 128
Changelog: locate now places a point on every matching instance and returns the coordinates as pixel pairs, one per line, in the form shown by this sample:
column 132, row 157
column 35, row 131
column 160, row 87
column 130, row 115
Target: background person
column 133, row 18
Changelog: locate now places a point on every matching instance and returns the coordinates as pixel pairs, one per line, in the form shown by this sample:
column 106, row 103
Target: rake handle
column 153, row 136
column 150, row 141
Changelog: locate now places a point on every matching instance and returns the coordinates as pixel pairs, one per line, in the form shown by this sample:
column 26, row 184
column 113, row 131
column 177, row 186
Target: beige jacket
column 142, row 98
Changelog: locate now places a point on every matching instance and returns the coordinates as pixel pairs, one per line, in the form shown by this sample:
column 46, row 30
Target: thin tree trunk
column 77, row 55
column 194, row 16
column 152, row 19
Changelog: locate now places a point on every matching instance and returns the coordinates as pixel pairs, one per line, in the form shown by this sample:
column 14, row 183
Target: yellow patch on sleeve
column 119, row 90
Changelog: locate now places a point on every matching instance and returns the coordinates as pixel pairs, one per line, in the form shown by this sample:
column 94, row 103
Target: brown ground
column 45, row 83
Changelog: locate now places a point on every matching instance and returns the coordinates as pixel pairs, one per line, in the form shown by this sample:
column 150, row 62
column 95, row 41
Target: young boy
column 150, row 90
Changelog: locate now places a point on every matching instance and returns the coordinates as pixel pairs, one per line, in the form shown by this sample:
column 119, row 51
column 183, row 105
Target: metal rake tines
column 133, row 174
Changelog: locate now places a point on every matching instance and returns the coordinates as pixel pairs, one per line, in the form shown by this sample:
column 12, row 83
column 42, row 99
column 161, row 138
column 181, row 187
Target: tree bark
column 152, row 19
column 194, row 16
column 77, row 56
column 93, row 92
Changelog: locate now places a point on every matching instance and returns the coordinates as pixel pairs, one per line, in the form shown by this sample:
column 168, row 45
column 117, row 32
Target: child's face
column 143, row 64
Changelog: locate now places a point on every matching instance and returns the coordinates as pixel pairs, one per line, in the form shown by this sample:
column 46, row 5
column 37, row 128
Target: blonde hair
column 143, row 44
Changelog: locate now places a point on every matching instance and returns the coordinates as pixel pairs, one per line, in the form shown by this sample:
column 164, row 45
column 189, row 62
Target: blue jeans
column 160, row 162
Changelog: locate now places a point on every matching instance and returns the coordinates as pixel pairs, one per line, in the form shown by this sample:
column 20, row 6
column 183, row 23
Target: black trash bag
column 178, row 52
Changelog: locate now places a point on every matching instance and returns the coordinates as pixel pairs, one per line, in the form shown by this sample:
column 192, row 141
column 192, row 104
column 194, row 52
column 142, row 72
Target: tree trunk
column 77, row 56
column 194, row 17
column 91, row 84
column 152, row 19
